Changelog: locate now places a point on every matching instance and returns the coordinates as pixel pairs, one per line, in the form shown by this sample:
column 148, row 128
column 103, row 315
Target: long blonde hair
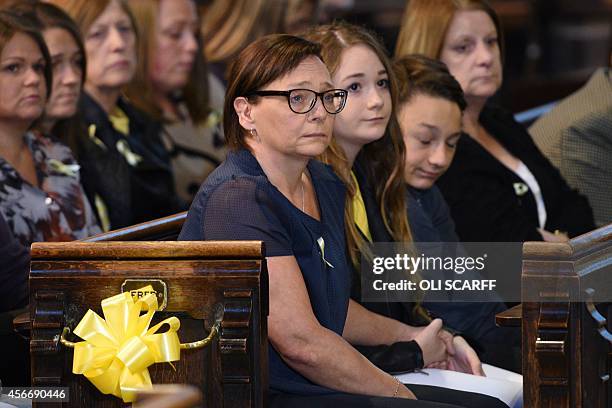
column 384, row 157
column 230, row 25
column 425, row 23
column 140, row 89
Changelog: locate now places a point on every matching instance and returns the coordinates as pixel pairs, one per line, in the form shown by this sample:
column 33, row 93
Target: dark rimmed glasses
column 304, row 100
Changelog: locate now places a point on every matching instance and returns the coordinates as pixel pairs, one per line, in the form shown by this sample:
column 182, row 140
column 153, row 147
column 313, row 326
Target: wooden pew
column 567, row 344
column 207, row 282
column 161, row 229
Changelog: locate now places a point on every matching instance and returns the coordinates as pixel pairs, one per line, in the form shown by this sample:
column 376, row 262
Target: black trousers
column 428, row 397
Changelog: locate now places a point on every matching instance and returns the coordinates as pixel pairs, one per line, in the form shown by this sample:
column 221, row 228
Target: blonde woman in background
column 230, row 25
column 499, row 187
column 172, row 85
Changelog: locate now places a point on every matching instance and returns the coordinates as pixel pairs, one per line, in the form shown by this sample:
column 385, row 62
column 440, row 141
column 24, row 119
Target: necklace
column 303, row 195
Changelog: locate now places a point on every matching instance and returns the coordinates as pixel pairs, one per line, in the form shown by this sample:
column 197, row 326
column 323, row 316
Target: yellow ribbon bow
column 118, row 349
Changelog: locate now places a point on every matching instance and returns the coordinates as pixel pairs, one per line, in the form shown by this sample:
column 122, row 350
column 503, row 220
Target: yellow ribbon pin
column 321, row 243
column 91, row 131
column 70, row 170
column 124, row 148
column 118, row 349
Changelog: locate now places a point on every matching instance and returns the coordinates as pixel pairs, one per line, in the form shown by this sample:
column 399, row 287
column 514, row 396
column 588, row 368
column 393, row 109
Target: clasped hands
column 444, row 351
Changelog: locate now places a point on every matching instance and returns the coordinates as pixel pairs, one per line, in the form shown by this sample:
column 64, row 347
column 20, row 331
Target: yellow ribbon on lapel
column 118, row 349
column 70, row 170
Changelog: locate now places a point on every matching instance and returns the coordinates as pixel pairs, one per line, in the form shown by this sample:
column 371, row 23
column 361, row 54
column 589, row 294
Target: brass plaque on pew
column 159, row 288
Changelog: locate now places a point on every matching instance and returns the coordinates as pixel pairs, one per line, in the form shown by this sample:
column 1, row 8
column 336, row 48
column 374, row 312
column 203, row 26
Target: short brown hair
column 12, row 23
column 262, row 62
column 139, row 90
column 425, row 23
column 418, row 74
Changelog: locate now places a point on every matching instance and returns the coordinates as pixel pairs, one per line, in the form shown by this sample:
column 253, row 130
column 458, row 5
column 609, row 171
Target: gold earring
column 255, row 135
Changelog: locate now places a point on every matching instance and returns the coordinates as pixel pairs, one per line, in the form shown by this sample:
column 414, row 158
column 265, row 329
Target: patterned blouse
column 57, row 210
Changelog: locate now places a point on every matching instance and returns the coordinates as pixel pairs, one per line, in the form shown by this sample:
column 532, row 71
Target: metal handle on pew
column 214, row 331
column 601, row 321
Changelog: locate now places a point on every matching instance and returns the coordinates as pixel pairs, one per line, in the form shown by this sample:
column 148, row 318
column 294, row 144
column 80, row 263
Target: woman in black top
column 125, row 167
column 499, row 187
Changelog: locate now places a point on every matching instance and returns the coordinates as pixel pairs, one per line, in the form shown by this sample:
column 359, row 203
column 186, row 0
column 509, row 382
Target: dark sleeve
column 244, row 209
column 397, row 358
column 15, row 260
column 441, row 216
column 482, row 207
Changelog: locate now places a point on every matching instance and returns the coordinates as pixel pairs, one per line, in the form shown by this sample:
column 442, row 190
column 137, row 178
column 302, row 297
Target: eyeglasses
column 304, row 100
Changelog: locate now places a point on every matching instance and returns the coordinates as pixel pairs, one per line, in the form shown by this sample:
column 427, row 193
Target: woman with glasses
column 278, row 117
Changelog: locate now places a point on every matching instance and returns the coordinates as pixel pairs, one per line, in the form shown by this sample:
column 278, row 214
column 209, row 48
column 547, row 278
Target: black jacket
column 401, row 356
column 481, row 194
column 131, row 193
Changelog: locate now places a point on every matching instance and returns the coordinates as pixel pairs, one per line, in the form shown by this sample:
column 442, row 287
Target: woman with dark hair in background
column 41, row 197
column 125, row 166
column 499, row 187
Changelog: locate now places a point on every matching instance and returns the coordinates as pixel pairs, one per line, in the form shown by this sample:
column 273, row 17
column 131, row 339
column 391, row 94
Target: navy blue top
column 429, row 216
column 238, row 202
column 430, row 221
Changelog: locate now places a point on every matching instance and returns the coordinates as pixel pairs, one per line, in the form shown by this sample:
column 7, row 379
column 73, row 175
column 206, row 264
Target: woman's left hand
column 464, row 359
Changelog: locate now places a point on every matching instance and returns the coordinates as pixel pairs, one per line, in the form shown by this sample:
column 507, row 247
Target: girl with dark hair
column 430, row 109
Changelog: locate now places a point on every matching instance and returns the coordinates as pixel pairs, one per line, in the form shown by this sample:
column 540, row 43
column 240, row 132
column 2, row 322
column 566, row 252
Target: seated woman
column 126, row 168
column 173, row 88
column 277, row 118
column 499, row 187
column 430, row 107
column 368, row 153
column 41, row 197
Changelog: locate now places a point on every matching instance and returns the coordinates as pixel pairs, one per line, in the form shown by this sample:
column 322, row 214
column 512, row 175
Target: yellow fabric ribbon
column 120, row 121
column 70, row 170
column 124, row 148
column 118, row 349
column 359, row 210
